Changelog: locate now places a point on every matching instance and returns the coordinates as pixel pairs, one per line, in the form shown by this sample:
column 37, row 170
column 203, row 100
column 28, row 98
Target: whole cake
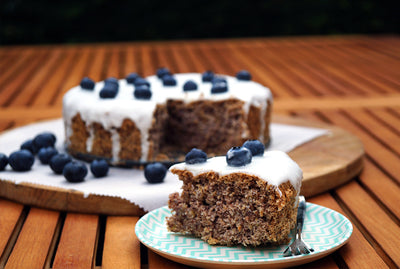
column 161, row 117
column 252, row 204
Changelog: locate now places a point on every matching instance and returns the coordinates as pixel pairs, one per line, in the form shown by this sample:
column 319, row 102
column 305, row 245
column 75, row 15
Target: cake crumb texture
column 235, row 209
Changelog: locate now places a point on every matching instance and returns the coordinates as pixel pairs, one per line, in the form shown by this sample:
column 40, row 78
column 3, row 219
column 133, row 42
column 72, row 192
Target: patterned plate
column 325, row 230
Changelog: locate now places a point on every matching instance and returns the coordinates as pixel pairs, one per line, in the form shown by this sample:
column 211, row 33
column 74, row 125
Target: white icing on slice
column 275, row 167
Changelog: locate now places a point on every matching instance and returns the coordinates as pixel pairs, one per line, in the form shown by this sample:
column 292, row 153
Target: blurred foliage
column 44, row 21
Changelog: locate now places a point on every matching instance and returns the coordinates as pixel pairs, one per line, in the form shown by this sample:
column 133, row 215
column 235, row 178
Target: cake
column 252, row 205
column 159, row 118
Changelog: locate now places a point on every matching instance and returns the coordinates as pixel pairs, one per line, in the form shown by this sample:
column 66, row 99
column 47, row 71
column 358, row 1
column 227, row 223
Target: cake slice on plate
column 244, row 198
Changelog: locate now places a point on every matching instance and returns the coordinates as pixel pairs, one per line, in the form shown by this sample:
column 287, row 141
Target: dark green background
column 39, row 22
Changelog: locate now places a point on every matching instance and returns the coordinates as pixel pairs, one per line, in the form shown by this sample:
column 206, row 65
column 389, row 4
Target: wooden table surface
column 352, row 82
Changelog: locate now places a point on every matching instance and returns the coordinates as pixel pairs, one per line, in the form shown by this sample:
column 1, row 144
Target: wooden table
column 352, row 82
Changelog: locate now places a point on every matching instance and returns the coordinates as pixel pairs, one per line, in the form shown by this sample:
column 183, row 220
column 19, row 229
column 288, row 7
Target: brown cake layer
column 233, row 209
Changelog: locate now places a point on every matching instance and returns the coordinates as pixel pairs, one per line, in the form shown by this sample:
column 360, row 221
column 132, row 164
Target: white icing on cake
column 111, row 112
column 275, row 167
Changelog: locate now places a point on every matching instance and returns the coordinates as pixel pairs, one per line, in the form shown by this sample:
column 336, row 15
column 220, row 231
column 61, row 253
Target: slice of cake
column 159, row 118
column 237, row 199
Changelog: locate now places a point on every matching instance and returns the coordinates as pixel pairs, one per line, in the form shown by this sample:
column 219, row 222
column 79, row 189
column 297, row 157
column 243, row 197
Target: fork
column 298, row 246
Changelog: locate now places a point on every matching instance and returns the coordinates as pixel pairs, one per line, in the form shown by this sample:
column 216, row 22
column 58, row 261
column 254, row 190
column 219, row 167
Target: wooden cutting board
column 327, row 162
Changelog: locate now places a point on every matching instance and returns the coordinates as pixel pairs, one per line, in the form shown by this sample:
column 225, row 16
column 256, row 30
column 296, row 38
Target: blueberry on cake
column 237, row 199
column 159, row 118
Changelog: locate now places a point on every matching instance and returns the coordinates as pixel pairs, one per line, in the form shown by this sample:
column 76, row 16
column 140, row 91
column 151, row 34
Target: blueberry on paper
column 29, row 145
column 161, row 72
column 238, row 156
column 75, row 171
column 131, row 78
column 109, row 91
column 87, row 84
column 243, row 75
column 141, row 81
column 168, row 80
column 21, row 160
column 142, row 92
column 155, row 172
column 207, row 76
column 44, row 140
column 45, row 154
column 99, row 168
column 58, row 161
column 219, row 87
column 255, row 146
column 189, row 85
column 3, row 161
column 195, row 156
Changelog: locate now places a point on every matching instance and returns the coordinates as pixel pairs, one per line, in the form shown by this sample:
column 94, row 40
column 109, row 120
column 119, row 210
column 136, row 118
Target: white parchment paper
column 121, row 182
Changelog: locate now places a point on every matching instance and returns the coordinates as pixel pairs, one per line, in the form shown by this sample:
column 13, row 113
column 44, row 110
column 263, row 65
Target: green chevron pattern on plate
column 324, row 229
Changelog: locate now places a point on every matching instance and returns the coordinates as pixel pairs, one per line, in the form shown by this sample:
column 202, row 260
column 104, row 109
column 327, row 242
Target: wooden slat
column 376, row 128
column 121, row 246
column 183, row 63
column 46, row 69
column 277, row 85
column 132, row 61
column 52, row 86
column 10, row 215
column 381, row 155
column 373, row 218
column 34, row 241
column 77, row 244
column 75, row 76
column 385, row 189
column 13, row 88
column 13, row 68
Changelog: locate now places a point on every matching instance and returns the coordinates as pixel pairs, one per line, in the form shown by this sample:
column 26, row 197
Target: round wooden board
column 327, row 162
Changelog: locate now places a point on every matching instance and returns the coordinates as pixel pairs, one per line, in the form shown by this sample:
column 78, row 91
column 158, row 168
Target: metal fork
column 298, row 246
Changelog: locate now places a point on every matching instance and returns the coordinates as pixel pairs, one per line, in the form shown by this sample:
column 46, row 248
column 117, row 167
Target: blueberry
column 99, row 168
column 131, row 78
column 195, row 156
column 243, row 75
column 58, row 161
column 155, row 172
column 108, row 91
column 190, row 85
column 45, row 154
column 29, row 145
column 21, row 160
column 112, row 81
column 75, row 171
column 216, row 80
column 142, row 92
column 207, row 76
column 238, row 156
column 87, row 83
column 255, row 146
column 3, row 161
column 44, row 140
column 168, row 80
column 161, row 72
column 219, row 87
column 141, row 81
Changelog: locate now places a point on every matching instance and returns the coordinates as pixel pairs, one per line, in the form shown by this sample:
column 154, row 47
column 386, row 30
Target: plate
column 325, row 230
